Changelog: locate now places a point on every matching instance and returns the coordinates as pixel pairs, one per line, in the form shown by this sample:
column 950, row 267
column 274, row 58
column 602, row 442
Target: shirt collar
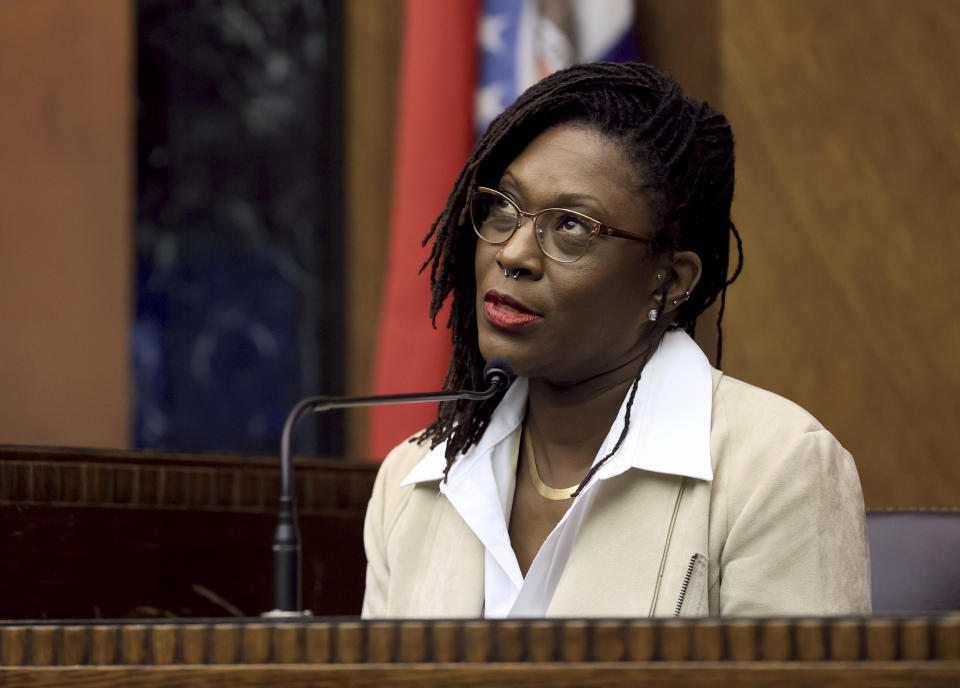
column 506, row 418
column 669, row 421
column 670, row 417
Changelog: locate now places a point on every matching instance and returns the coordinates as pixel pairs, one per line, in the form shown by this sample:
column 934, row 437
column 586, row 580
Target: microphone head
column 498, row 372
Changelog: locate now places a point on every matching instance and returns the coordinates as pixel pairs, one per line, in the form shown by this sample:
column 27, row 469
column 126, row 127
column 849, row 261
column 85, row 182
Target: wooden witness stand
column 57, row 561
column 806, row 652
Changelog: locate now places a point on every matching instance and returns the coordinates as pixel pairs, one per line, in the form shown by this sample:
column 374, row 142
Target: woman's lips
column 507, row 313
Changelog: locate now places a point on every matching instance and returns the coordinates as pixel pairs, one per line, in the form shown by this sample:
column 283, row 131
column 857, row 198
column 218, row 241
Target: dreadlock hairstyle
column 682, row 151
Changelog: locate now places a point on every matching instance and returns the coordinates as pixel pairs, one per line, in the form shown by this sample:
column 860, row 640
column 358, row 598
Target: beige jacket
column 779, row 531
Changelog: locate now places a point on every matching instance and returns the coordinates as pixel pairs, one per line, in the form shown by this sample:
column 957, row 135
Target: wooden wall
column 848, row 199
column 373, row 52
column 65, row 221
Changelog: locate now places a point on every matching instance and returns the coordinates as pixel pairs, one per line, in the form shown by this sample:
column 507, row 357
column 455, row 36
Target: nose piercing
column 516, row 274
column 505, row 273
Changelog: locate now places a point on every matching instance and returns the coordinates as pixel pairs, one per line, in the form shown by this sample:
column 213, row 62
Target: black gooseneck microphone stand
column 497, row 375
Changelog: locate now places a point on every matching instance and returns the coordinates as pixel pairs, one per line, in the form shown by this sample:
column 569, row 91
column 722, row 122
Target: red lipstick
column 507, row 313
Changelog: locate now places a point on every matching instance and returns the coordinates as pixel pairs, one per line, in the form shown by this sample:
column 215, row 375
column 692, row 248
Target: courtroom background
column 847, row 200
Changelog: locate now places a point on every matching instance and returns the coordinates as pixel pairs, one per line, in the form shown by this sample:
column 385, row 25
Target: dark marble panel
column 239, row 304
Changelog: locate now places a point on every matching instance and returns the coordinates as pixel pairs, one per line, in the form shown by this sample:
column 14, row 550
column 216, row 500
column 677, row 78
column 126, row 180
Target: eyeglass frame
column 599, row 228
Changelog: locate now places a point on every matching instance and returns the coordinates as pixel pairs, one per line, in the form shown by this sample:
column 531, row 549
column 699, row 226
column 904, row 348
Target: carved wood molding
column 852, row 641
column 152, row 480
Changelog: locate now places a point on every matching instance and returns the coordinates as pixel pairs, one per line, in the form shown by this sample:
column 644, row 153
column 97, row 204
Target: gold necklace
column 552, row 493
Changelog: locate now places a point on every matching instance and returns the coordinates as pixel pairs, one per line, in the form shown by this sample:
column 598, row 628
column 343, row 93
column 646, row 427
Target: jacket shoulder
column 758, row 437
column 404, row 457
column 389, row 497
column 743, row 405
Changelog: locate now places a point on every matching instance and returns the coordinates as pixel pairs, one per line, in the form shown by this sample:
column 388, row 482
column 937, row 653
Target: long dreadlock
column 683, row 153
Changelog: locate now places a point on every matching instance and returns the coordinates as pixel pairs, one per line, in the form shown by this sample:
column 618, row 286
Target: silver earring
column 659, row 277
column 674, row 302
column 686, row 296
column 505, row 273
column 652, row 315
column 516, row 274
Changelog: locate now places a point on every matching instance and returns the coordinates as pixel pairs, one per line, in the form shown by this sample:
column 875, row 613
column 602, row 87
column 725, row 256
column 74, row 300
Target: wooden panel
column 65, row 217
column 184, row 548
column 681, row 38
column 374, row 30
column 848, row 169
column 348, row 641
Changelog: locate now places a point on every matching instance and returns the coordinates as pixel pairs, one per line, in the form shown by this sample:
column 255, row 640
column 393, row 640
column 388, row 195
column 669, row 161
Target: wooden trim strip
column 848, row 641
column 320, row 487
column 514, row 675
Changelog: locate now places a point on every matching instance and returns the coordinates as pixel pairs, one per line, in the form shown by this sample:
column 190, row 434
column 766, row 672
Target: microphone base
column 280, row 614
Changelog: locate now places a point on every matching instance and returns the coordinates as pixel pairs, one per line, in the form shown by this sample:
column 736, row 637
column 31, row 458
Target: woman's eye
column 571, row 225
column 501, row 208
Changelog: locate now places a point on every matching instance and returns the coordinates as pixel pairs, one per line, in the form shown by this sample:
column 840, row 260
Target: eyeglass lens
column 562, row 234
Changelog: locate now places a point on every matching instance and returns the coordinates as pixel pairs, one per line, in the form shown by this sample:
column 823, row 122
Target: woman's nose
column 522, row 251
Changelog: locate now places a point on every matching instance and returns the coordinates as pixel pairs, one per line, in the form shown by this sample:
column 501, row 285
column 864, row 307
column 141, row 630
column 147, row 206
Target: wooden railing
column 323, row 652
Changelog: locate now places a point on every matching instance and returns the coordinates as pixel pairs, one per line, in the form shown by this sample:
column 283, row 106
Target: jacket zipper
column 686, row 582
column 666, row 547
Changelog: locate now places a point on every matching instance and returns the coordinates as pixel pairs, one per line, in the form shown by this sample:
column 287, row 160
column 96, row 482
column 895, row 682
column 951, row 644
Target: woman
column 620, row 475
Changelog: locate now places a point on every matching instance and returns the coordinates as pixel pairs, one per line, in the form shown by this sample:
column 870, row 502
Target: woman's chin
column 519, row 357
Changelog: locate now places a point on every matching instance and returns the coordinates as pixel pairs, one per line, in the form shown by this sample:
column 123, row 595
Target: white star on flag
column 489, row 103
column 491, row 33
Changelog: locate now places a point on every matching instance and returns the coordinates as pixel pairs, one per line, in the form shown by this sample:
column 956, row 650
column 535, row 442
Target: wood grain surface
column 373, row 53
column 924, row 640
column 66, row 215
column 848, row 163
column 506, row 675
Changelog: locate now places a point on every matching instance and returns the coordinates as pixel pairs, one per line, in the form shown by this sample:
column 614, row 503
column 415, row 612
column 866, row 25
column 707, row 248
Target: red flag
column 438, row 76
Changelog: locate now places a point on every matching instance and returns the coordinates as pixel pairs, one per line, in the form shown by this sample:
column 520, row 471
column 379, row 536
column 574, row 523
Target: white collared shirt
column 669, row 433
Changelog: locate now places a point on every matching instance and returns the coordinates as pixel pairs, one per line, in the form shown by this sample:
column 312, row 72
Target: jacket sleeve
column 387, row 502
column 374, row 545
column 795, row 528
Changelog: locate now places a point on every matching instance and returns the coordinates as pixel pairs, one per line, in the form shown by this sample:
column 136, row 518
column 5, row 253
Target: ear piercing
column 653, row 315
column 686, row 297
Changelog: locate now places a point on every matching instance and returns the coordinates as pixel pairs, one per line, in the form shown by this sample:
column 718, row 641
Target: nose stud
column 515, row 275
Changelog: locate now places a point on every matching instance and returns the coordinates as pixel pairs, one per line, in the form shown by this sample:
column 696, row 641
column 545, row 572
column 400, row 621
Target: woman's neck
column 568, row 422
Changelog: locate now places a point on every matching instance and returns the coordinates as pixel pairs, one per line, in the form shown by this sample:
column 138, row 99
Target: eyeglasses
column 563, row 235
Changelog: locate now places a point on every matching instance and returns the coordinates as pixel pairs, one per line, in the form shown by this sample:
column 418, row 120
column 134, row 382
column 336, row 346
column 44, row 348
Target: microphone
column 497, row 376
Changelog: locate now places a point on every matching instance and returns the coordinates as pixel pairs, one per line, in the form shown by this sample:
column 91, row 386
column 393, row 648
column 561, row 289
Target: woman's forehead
column 572, row 160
